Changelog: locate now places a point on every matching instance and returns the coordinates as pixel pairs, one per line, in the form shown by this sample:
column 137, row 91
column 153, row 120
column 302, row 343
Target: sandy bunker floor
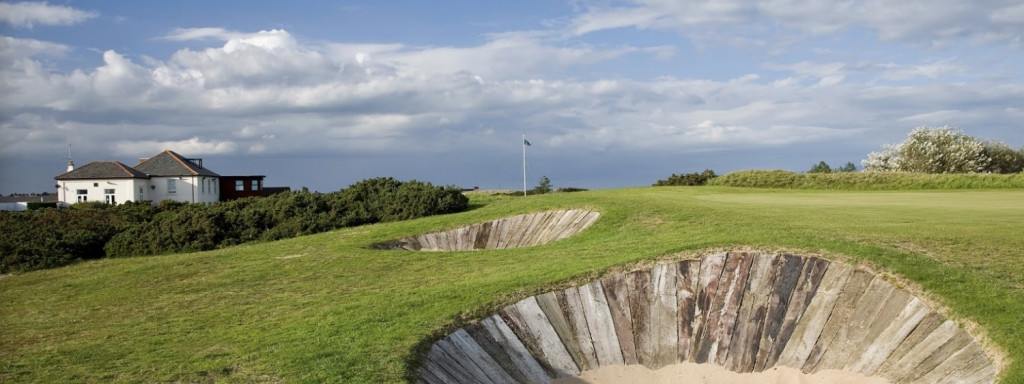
column 691, row 373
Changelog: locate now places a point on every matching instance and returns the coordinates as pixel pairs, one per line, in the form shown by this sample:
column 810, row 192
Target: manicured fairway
column 327, row 308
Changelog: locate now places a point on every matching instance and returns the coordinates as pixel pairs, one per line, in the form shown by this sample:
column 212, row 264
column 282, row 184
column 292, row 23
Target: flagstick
column 524, row 164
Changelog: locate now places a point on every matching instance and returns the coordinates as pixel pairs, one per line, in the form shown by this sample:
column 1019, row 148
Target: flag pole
column 524, row 164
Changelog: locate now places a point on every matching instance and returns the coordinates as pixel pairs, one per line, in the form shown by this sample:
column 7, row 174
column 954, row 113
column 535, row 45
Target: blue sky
column 610, row 93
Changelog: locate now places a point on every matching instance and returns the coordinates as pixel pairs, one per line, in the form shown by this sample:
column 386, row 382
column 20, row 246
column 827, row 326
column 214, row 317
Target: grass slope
column 324, row 308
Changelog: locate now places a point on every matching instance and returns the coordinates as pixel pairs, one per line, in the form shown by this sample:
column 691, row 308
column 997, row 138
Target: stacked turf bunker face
column 744, row 311
column 747, row 312
column 524, row 230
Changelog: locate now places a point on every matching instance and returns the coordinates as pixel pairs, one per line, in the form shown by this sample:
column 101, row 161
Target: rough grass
column 325, row 308
column 867, row 180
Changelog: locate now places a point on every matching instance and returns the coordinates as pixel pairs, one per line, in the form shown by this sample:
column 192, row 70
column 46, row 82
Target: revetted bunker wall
column 742, row 311
column 511, row 232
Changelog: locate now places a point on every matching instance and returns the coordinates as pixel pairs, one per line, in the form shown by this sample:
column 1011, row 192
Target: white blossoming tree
column 931, row 150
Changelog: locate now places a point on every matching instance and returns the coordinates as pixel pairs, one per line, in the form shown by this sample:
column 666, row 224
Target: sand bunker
column 525, row 230
column 690, row 373
column 743, row 312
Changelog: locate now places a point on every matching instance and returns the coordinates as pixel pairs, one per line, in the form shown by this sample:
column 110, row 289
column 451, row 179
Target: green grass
column 325, row 308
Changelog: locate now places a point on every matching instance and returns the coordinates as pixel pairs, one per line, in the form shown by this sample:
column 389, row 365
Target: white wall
column 198, row 189
column 124, row 190
column 208, row 189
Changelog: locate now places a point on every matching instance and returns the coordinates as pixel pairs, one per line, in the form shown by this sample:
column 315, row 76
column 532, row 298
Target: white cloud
column 193, row 145
column 930, row 70
column 510, row 55
column 664, row 14
column 29, row 14
column 12, row 48
column 1011, row 14
column 603, row 19
column 921, row 22
column 832, row 73
column 186, row 34
column 824, row 74
column 709, row 131
column 933, row 118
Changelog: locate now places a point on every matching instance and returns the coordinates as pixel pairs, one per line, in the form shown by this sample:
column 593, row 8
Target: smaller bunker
column 524, row 230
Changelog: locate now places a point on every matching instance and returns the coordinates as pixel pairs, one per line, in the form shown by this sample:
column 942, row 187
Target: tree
column 931, row 150
column 544, row 186
column 821, row 167
column 1003, row 158
column 689, row 179
column 849, row 167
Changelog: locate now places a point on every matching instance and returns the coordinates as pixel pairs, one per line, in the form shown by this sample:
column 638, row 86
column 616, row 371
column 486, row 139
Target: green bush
column 1003, row 158
column 689, row 179
column 186, row 228
column 821, row 167
column 50, row 237
column 37, row 205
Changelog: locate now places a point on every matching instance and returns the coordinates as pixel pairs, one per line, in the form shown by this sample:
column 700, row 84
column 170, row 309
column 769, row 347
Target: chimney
column 71, row 164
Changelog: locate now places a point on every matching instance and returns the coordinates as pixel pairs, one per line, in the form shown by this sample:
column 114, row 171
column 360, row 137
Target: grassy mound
column 867, row 181
column 329, row 308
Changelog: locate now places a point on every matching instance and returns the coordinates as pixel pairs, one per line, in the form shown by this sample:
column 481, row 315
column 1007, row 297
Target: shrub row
column 866, row 180
column 50, row 237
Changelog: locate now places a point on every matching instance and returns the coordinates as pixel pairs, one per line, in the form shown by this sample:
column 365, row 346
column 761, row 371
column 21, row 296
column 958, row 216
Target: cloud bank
column 272, row 93
column 28, row 15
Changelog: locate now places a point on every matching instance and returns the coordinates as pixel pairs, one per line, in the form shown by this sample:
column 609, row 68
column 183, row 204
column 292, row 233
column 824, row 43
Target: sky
column 610, row 94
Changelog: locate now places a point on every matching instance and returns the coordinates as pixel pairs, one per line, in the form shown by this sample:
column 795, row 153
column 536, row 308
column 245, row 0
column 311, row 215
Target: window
column 172, row 186
column 255, row 185
column 239, row 185
column 108, row 195
column 202, row 185
column 83, row 195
